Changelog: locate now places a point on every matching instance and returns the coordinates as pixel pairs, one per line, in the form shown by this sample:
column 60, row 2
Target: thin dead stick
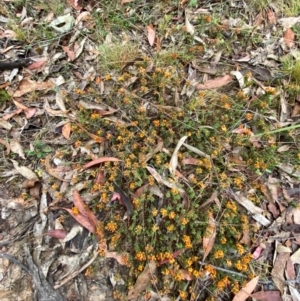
column 73, row 275
column 224, row 270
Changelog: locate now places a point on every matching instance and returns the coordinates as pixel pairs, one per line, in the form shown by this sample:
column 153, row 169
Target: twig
column 71, row 276
column 224, row 270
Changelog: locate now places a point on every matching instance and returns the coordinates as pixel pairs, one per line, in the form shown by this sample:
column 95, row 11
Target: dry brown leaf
column 27, row 184
column 151, row 34
column 257, row 212
column 82, row 220
column 158, row 148
column 162, row 180
column 215, row 83
column 271, row 16
column 190, row 161
column 290, row 270
column 296, row 108
column 51, row 171
column 58, row 233
column 79, row 48
column 75, row 4
column 278, row 270
column 100, row 160
column 174, row 158
column 267, row 296
column 283, row 148
column 210, row 199
column 6, row 144
column 38, row 64
column 5, row 124
column 24, row 171
column 189, row 27
column 208, row 240
column 66, row 130
column 121, row 258
column 295, row 258
column 246, row 238
column 289, row 38
column 12, row 114
column 70, row 53
column 17, row 148
column 84, row 16
column 138, row 193
column 29, row 112
column 60, row 101
column 27, row 85
column 246, row 291
column 256, row 254
column 126, row 1
column 78, row 201
column 143, row 280
column 100, row 178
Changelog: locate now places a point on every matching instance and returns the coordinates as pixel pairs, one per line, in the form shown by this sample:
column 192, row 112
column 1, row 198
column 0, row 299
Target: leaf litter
column 202, row 214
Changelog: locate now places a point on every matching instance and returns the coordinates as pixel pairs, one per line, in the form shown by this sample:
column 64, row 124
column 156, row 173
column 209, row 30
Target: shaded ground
column 149, row 150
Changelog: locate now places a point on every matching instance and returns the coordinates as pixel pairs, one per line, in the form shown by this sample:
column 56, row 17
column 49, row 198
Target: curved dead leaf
column 100, row 160
column 190, row 161
column 66, row 130
column 75, row 4
column 215, row 83
column 84, row 209
column 162, row 180
column 27, row 85
column 209, row 238
column 29, row 112
column 279, row 270
column 189, row 27
column 174, row 158
column 151, row 34
column 38, row 64
column 100, row 178
column 6, row 144
column 246, row 291
column 24, row 171
column 70, row 53
column 289, row 38
column 82, row 220
column 59, row 234
column 120, row 257
column 267, row 296
column 143, row 280
column 5, row 124
column 138, row 193
column 17, row 148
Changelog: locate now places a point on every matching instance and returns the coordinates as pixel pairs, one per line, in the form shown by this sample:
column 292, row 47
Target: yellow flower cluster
column 111, row 226
column 240, row 249
column 184, row 221
column 232, row 206
column 170, row 228
column 172, row 215
column 187, row 241
column 240, row 266
column 211, row 271
column 219, row 254
column 140, row 256
column 164, row 212
column 75, row 210
column 223, row 283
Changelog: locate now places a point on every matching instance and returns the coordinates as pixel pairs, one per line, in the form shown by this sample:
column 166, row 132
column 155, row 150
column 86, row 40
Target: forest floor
column 149, row 150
